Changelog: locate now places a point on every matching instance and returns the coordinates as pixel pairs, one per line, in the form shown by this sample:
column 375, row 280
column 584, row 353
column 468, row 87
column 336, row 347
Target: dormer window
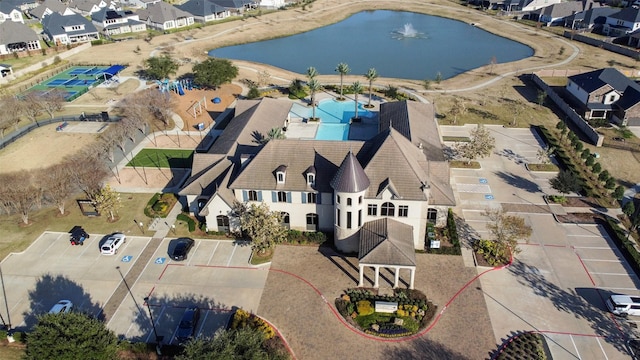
column 311, row 175
column 281, row 173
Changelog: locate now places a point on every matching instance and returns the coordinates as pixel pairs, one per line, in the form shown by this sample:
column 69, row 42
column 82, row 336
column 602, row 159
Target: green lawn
column 163, row 158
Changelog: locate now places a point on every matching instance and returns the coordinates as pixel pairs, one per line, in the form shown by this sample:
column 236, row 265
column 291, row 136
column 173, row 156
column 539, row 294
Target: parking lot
column 558, row 283
column 215, row 277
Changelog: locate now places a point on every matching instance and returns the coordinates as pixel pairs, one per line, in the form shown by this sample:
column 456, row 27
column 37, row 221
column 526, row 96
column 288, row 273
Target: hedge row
column 190, row 222
column 453, row 237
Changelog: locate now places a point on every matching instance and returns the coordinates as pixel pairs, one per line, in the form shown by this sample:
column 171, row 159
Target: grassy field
column 163, row 158
column 17, row 237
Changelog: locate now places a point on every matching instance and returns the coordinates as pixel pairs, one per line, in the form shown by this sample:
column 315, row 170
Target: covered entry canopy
column 113, row 70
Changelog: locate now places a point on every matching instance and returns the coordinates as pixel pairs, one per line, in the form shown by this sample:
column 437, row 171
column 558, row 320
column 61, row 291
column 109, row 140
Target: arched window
column 312, row 222
column 285, row 219
column 252, row 195
column 223, row 223
column 432, row 215
column 387, row 209
column 348, row 201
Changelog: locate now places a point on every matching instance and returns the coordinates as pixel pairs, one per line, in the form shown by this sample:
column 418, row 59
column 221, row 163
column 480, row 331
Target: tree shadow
column 49, row 289
column 584, row 303
column 423, row 348
column 167, row 311
column 519, row 182
column 511, row 155
column 466, row 233
column 343, row 262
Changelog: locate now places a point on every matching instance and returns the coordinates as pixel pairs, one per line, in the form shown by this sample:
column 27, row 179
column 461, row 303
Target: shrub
column 187, row 219
column 558, row 199
column 364, row 308
column 494, row 252
column 242, row 318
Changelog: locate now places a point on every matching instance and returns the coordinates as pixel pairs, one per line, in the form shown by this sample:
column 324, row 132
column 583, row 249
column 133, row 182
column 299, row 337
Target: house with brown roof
column 399, row 176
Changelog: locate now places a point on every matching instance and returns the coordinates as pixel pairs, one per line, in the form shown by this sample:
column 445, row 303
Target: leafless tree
column 19, row 194
column 107, row 142
column 148, row 106
column 57, row 184
column 11, row 111
column 52, row 101
column 121, row 137
column 130, row 128
column 89, row 172
column 160, row 106
column 30, row 106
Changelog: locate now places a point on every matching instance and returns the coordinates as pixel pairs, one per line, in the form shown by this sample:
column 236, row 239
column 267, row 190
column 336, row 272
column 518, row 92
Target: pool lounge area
column 335, row 121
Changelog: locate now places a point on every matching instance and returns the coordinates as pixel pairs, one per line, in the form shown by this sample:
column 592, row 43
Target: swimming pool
column 334, row 117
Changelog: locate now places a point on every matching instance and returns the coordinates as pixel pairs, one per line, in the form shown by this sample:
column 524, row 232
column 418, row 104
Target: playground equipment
column 196, row 108
column 178, row 86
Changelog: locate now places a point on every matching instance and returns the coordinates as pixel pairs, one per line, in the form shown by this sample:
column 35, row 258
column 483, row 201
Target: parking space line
column 570, row 336
column 194, row 250
column 602, row 349
column 592, row 247
column 601, row 260
column 615, row 274
column 584, row 235
column 50, row 245
column 204, row 321
column 617, row 288
column 156, row 322
column 214, row 251
column 235, row 246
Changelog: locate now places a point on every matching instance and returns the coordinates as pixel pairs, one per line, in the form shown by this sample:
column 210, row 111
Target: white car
column 112, row 244
column 63, row 306
column 624, row 305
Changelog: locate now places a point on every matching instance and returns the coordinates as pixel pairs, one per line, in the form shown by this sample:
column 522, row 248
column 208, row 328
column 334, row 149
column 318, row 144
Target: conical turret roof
column 350, row 177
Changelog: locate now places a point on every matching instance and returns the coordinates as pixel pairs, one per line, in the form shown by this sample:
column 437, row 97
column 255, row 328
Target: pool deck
column 299, row 128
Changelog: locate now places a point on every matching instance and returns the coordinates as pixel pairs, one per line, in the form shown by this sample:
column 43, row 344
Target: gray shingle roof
column 630, row 14
column 54, row 24
column 108, row 14
column 594, row 80
column 53, row 5
column 202, row 7
column 233, row 4
column 387, row 242
column 162, row 12
column 350, row 177
column 14, row 32
column 6, row 7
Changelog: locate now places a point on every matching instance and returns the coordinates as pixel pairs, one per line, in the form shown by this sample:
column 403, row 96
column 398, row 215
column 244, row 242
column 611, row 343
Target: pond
column 397, row 44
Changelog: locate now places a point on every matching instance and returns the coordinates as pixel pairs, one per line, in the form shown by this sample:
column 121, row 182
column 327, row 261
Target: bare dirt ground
column 146, row 178
column 185, row 104
column 42, row 147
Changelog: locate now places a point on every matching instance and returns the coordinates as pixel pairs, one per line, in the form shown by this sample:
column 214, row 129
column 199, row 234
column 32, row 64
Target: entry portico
column 387, row 243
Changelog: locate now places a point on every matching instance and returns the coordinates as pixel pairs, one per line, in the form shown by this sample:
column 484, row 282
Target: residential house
column 526, row 5
column 140, row 4
column 163, row 16
column 22, row 5
column 606, row 94
column 592, row 19
column 16, row 37
column 399, row 178
column 114, row 22
column 88, row 7
column 204, row 11
column 69, row 29
column 10, row 12
column 622, row 22
column 5, row 70
column 50, row 6
column 237, row 7
column 272, row 3
column 555, row 14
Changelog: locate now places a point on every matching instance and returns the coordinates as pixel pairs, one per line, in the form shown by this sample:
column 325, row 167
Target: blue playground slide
column 180, row 89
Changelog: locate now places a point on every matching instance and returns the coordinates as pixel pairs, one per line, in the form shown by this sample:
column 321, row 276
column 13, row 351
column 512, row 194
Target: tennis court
column 77, row 80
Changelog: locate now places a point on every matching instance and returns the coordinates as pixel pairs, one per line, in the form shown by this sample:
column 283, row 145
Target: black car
column 78, row 235
column 180, row 249
column 187, row 327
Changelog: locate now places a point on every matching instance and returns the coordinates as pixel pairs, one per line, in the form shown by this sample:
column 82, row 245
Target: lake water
column 373, row 39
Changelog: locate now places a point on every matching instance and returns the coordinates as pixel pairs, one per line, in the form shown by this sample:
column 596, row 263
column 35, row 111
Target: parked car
column 187, row 327
column 624, row 305
column 63, row 306
column 78, row 235
column 181, row 249
column 112, row 244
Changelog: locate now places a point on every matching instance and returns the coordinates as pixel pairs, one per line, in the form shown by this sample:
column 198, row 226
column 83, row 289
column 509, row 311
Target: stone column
column 361, row 275
column 377, row 276
column 413, row 277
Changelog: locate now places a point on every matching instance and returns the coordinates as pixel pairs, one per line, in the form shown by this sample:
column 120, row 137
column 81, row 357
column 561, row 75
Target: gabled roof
column 84, row 5
column 109, row 14
column 594, row 80
column 595, row 16
column 563, row 9
column 253, row 120
column 14, row 32
column 387, row 242
column 297, row 155
column 54, row 24
column 53, row 5
column 202, row 7
column 162, row 12
column 204, row 170
column 6, row 7
column 415, row 121
column 629, row 14
column 630, row 98
column 233, row 4
column 350, row 177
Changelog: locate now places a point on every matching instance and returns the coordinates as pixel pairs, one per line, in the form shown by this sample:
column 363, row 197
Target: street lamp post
column 153, row 324
column 6, row 304
column 140, row 225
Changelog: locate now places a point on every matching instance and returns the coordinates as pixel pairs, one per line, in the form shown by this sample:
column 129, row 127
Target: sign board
column 127, row 258
column 386, row 307
column 435, row 244
column 160, row 260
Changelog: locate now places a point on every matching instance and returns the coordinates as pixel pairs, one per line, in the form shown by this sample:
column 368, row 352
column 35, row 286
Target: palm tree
column 343, row 69
column 312, row 72
column 357, row 89
column 274, row 134
column 314, row 86
column 371, row 76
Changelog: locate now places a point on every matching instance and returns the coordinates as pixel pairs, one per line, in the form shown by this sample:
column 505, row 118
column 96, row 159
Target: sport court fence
column 102, row 117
